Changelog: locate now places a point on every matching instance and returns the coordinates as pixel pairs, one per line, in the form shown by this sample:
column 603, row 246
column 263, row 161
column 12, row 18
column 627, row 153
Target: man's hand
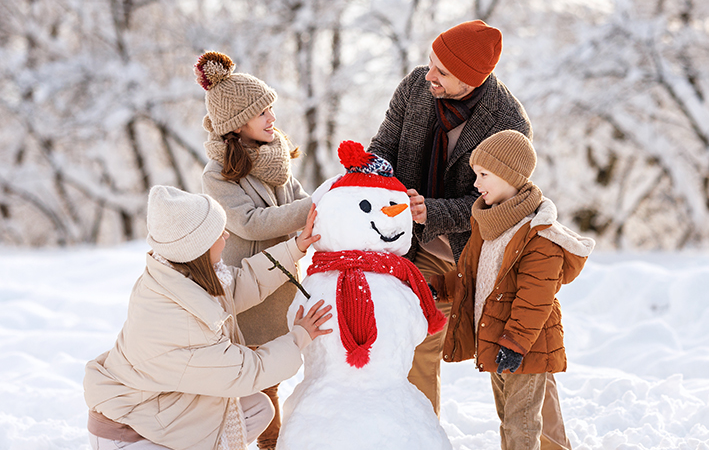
column 418, row 206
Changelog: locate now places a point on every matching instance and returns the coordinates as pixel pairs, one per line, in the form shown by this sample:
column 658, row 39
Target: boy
column 505, row 313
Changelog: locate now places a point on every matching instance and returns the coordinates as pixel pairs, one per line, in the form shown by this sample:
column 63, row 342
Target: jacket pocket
column 499, row 306
column 171, row 406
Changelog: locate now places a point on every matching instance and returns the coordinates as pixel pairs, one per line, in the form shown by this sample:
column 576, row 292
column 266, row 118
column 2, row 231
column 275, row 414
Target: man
column 436, row 117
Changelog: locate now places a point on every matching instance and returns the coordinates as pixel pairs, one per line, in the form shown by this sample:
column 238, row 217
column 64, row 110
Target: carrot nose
column 393, row 210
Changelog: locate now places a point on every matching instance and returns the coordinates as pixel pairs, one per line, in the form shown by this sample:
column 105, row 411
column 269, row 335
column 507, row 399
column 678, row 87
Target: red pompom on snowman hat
column 365, row 169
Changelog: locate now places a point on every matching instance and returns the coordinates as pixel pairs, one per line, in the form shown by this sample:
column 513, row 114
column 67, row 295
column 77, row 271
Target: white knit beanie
column 183, row 226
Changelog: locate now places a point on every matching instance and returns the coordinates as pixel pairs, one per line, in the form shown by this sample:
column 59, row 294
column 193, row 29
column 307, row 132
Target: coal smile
column 385, row 238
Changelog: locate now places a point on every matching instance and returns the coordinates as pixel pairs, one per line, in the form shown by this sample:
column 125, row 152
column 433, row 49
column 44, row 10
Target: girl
column 179, row 376
column 249, row 174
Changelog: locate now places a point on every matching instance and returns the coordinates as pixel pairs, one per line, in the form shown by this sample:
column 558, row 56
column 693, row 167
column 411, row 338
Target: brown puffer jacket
column 522, row 312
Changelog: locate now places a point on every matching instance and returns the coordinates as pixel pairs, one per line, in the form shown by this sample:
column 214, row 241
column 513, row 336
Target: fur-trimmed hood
column 576, row 248
column 564, row 237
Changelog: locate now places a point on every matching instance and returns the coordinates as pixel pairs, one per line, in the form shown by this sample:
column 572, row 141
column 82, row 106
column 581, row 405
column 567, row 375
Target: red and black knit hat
column 365, row 169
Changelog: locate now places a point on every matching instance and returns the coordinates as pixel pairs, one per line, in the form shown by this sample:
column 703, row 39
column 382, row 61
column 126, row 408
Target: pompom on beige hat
column 183, row 226
column 508, row 154
column 232, row 99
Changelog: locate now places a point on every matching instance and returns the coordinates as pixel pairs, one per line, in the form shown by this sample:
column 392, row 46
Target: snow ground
column 635, row 324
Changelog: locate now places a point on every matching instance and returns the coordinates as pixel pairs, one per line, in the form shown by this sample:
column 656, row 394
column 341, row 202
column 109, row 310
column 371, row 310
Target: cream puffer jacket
column 174, row 367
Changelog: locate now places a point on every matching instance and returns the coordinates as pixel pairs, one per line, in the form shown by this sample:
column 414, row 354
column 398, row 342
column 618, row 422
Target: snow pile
column 635, row 335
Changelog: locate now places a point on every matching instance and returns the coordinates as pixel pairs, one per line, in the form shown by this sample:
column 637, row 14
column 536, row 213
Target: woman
column 179, row 376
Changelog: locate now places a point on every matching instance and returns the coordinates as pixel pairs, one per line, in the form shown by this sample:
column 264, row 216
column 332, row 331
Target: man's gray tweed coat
column 406, row 135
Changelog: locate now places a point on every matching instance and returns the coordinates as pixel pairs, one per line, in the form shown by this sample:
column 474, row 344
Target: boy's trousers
column 518, row 400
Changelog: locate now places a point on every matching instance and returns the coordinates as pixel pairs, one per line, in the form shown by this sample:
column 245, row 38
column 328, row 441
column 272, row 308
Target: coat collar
column 261, row 189
column 189, row 295
column 576, row 248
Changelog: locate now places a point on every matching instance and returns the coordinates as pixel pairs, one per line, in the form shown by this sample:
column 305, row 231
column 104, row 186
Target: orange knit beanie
column 469, row 51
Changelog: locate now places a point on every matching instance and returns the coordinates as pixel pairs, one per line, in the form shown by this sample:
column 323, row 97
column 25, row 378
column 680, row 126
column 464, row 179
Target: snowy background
column 98, row 102
column 635, row 329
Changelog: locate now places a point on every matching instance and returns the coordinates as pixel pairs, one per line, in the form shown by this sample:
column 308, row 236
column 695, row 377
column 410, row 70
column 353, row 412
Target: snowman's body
column 338, row 405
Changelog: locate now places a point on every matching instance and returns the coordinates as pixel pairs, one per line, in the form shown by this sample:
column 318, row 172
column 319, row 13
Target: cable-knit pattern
column 233, row 435
column 491, row 255
column 271, row 161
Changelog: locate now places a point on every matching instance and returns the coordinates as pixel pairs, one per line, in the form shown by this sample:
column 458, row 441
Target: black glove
column 508, row 359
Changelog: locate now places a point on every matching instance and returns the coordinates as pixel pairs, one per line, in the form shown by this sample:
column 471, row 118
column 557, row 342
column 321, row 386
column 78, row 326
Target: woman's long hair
column 237, row 162
column 201, row 271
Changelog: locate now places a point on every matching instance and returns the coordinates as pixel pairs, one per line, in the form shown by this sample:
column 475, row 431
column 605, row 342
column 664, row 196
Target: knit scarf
column 271, row 161
column 495, row 220
column 450, row 114
column 355, row 310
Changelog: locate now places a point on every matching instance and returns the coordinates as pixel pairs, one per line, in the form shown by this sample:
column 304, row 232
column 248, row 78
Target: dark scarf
column 355, row 310
column 495, row 220
column 450, row 114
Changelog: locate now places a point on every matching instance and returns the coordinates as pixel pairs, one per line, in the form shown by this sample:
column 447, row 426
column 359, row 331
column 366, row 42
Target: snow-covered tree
column 87, row 123
column 98, row 102
column 621, row 120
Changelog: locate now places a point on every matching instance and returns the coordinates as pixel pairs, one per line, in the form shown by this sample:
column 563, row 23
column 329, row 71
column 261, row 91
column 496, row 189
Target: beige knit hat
column 183, row 226
column 232, row 99
column 509, row 155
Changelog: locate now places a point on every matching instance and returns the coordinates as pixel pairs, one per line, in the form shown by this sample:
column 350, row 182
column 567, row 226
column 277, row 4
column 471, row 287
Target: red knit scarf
column 355, row 310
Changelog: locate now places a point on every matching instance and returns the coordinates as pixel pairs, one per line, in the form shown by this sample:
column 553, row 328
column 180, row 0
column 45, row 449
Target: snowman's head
column 363, row 218
column 366, row 209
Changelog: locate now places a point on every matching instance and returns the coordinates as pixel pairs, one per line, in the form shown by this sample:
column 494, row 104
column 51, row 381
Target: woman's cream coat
column 174, row 366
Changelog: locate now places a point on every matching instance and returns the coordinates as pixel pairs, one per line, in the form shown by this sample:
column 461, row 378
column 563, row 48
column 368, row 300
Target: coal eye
column 365, row 206
column 392, row 203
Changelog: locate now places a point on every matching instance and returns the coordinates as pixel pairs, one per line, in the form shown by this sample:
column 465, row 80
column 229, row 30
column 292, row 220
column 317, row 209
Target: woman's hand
column 306, row 237
column 315, row 317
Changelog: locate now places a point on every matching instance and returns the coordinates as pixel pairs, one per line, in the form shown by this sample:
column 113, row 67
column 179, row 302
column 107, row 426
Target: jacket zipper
column 519, row 255
column 457, row 324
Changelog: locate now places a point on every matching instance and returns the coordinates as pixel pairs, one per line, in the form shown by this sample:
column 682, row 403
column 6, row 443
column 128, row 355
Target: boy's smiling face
column 493, row 189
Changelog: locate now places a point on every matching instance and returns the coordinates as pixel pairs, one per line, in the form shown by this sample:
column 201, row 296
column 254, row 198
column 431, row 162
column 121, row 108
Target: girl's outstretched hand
column 315, row 317
column 306, row 237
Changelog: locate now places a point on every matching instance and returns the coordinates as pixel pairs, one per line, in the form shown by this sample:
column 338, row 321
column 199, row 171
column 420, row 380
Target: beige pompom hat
column 183, row 226
column 232, row 99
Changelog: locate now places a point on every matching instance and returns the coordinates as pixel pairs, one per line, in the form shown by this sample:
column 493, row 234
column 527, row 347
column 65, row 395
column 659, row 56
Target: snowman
column 355, row 393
